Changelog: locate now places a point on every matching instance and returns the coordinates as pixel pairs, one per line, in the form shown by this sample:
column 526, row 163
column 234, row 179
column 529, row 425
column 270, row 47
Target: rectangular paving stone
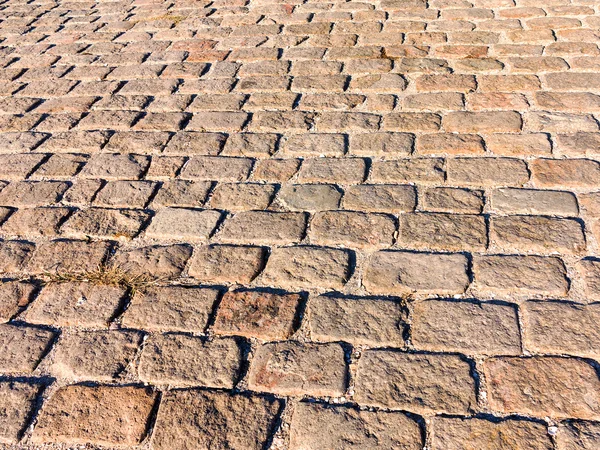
column 264, row 227
column 17, row 402
column 358, row 320
column 470, row 327
column 74, row 303
column 260, row 314
column 170, row 308
column 183, row 224
column 400, row 272
column 294, row 369
column 421, row 383
column 181, row 360
column 68, row 256
column 452, row 433
column 301, row 267
column 101, row 415
column 543, row 387
column 214, row 418
column 154, row 261
column 22, row 348
column 318, row 426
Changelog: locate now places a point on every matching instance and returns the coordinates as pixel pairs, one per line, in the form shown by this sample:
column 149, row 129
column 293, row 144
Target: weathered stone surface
column 35, row 222
column 358, row 320
column 487, row 172
column 444, row 199
column 15, row 296
column 156, row 261
column 453, row 434
column 32, row 193
column 397, row 272
column 72, row 303
column 590, row 270
column 227, row 263
column 467, row 327
column 292, row 368
column 388, row 198
column 17, row 401
column 352, row 229
column 22, row 348
column 541, row 234
column 178, row 359
column 310, row 197
column 264, row 227
column 183, row 224
column 317, row 426
column 443, row 231
column 103, row 415
column 105, row 223
column 260, row 314
column 421, row 383
column 94, row 355
column 301, row 267
column 561, row 328
column 218, row 419
column 578, row 435
column 68, row 256
column 532, row 201
column 526, row 275
column 543, row 386
column 171, row 308
column 182, row 193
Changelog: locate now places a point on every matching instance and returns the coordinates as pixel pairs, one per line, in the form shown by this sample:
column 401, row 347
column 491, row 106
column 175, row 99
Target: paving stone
column 422, row 383
column 103, row 415
column 590, row 270
column 315, row 145
column 293, row 368
column 183, row 224
column 423, row 170
column 451, row 434
column 68, row 256
column 534, row 233
column 171, row 308
column 573, row 173
column 217, row 168
column 305, row 267
column 445, row 199
column 15, row 296
column 105, row 223
column 16, row 405
column 116, row 166
column 560, row 327
column 22, row 348
column 578, row 435
column 310, row 197
column 487, row 172
column 35, row 221
column 260, row 314
column 32, row 193
column 358, row 320
column 219, row 419
column 443, row 231
column 543, row 386
column 516, row 274
column 195, row 143
column 242, row 196
column 264, row 227
column 75, row 303
column 154, row 261
column 399, row 272
column 178, row 359
column 317, row 426
column 532, row 201
column 352, row 229
column 388, row 198
column 469, row 327
column 94, row 355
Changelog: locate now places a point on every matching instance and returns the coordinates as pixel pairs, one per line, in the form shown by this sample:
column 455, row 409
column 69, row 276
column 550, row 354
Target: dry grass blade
column 105, row 275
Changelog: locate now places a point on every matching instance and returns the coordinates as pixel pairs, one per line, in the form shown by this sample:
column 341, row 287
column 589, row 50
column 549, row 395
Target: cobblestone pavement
column 250, row 224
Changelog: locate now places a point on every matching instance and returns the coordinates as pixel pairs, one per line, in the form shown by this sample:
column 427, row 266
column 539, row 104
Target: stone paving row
column 300, row 224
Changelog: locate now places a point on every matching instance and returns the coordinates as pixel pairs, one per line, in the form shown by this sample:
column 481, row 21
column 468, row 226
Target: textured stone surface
column 453, row 434
column 16, row 407
column 543, row 386
column 178, row 359
column 292, row 368
column 421, row 383
column 316, row 426
column 105, row 415
column 215, row 419
column 256, row 195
